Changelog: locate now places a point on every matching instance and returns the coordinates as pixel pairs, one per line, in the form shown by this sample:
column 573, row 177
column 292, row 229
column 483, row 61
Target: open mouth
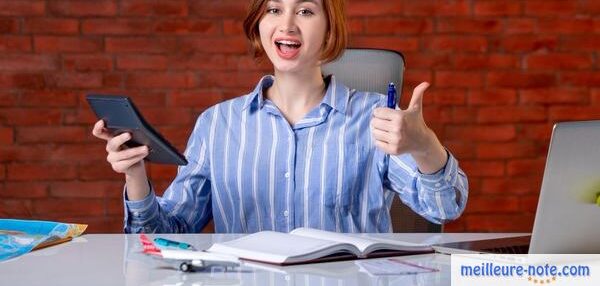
column 287, row 48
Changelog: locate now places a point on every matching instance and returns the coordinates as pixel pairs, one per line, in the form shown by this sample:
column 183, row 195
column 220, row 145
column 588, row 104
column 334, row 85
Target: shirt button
column 286, row 213
column 448, row 178
column 287, row 174
column 136, row 214
column 437, row 185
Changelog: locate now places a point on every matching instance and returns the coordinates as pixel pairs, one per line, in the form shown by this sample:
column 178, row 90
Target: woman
column 299, row 150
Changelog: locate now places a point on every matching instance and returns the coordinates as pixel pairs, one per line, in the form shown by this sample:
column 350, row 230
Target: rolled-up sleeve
column 186, row 204
column 438, row 197
column 138, row 213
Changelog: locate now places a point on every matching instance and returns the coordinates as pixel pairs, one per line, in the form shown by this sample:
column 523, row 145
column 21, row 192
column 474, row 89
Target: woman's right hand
column 124, row 160
column 128, row 161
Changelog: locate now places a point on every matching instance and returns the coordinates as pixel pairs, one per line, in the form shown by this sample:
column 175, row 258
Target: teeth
column 289, row 43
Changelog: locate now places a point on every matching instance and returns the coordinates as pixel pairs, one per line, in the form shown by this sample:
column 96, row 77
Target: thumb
column 416, row 101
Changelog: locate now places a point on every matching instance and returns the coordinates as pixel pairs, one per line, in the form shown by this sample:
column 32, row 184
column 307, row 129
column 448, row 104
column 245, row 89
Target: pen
column 391, row 96
column 391, row 103
column 171, row 243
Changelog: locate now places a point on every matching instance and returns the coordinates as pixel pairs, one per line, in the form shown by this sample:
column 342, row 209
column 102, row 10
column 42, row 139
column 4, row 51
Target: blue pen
column 391, row 96
column 391, row 103
column 171, row 243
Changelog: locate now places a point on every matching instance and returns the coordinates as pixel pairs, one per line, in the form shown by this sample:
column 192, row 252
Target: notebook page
column 365, row 244
column 361, row 243
column 276, row 247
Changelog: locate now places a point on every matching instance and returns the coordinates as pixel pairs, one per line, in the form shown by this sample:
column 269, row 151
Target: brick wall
column 502, row 73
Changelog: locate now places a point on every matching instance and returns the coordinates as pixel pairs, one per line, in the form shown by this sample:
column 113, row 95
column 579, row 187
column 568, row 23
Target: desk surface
column 116, row 259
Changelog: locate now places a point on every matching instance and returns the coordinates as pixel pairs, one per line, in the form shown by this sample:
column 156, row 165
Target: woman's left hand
column 398, row 131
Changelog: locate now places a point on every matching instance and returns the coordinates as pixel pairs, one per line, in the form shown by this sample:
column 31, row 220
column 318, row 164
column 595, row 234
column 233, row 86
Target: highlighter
column 391, row 96
column 171, row 243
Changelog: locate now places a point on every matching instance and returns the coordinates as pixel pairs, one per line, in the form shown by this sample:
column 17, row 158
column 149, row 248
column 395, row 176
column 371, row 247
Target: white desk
column 116, row 259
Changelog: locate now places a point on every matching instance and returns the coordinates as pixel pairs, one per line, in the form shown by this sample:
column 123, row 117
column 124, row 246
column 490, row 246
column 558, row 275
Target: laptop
column 568, row 212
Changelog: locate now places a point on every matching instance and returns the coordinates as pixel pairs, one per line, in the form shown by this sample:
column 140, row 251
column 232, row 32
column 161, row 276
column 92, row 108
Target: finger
column 127, row 154
column 393, row 126
column 382, row 145
column 390, row 148
column 101, row 132
column 115, row 143
column 382, row 136
column 123, row 165
column 99, row 125
column 379, row 124
column 385, row 113
column 416, row 101
column 385, row 147
column 394, row 138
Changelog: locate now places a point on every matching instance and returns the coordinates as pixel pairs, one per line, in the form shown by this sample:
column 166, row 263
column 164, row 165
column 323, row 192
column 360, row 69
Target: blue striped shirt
column 250, row 170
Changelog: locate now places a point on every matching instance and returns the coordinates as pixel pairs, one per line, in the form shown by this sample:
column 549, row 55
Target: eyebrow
column 297, row 1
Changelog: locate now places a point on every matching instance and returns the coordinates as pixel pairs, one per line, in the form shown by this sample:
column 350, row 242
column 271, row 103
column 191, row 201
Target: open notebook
column 306, row 245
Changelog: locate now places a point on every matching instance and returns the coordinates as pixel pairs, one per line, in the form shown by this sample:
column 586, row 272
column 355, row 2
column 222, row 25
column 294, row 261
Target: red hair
column 335, row 40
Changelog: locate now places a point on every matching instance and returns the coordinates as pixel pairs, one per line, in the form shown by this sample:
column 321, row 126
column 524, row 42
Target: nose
column 288, row 24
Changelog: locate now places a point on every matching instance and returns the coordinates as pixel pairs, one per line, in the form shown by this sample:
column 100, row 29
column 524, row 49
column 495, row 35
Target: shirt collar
column 336, row 96
column 256, row 96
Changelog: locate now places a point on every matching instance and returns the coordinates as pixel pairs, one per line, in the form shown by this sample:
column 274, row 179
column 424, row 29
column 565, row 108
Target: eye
column 305, row 12
column 273, row 11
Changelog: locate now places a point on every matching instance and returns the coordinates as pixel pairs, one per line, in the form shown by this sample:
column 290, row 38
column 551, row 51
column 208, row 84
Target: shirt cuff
column 138, row 212
column 443, row 178
column 142, row 204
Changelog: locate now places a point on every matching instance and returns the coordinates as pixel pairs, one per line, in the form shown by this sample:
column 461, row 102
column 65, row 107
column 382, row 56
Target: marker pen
column 172, row 243
column 391, row 96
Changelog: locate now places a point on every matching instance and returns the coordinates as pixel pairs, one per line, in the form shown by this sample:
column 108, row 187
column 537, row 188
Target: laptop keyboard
column 514, row 249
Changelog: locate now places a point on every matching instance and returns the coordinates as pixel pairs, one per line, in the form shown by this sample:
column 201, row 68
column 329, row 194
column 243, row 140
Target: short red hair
column 335, row 39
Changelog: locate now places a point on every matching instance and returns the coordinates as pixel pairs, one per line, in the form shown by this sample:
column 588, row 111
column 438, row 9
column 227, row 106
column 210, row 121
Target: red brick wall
column 502, row 71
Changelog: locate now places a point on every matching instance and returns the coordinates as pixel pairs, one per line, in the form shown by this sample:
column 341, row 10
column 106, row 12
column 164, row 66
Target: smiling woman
column 297, row 151
column 333, row 43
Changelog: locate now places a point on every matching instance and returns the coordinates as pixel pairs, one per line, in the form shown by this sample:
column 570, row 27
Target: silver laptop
column 568, row 212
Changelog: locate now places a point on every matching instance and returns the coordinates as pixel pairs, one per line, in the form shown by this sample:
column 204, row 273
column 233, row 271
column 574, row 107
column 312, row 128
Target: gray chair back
column 373, row 70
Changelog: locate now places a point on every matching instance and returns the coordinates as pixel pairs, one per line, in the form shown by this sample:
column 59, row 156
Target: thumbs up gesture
column 397, row 131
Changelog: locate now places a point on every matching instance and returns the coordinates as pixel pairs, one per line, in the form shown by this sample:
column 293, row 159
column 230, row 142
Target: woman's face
column 292, row 33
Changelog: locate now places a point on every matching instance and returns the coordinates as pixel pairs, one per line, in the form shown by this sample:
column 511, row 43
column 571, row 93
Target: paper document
column 18, row 237
column 391, row 266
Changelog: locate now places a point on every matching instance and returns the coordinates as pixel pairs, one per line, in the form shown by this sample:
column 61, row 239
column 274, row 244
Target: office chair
column 372, row 70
